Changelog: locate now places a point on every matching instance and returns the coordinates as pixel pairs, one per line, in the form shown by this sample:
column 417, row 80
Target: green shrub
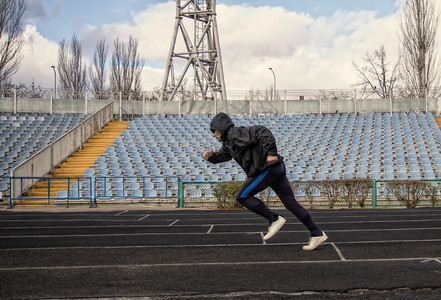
column 410, row 192
column 310, row 188
column 355, row 189
column 331, row 189
column 265, row 196
column 225, row 193
column 433, row 189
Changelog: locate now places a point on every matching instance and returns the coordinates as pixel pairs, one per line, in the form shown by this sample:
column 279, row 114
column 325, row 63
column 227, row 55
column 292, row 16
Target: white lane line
column 202, row 245
column 146, row 216
column 173, row 223
column 123, row 212
column 387, row 241
column 383, row 229
column 338, row 252
column 211, row 228
column 5, row 229
column 407, row 220
column 263, row 240
column 211, row 221
column 241, row 263
column 431, row 259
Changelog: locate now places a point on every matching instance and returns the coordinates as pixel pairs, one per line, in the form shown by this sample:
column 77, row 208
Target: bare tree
column 126, row 69
column 418, row 50
column 97, row 71
column 71, row 71
column 377, row 75
column 11, row 40
column 333, row 94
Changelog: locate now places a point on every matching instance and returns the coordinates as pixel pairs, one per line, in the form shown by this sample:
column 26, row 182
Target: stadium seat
column 307, row 177
column 373, row 145
column 137, row 193
column 152, row 194
column 61, row 195
column 293, row 177
column 213, row 178
column 321, row 176
column 240, row 177
column 226, row 177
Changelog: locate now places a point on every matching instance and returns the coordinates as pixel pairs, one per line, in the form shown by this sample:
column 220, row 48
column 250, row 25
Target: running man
column 254, row 149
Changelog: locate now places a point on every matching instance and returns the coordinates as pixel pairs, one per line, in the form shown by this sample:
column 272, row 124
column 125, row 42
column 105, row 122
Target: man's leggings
column 275, row 178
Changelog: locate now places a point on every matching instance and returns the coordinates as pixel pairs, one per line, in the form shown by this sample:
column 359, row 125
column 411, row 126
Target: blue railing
column 91, row 189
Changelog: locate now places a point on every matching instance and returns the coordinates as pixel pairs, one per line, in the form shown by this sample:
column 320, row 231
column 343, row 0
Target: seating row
column 22, row 135
column 315, row 146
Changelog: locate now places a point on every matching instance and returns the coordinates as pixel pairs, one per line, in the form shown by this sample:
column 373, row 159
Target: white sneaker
column 315, row 241
column 274, row 227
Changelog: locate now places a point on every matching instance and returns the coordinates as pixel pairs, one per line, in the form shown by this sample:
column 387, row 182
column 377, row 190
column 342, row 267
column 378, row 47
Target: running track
column 122, row 253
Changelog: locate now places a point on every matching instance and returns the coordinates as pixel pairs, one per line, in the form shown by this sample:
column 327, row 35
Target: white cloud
column 305, row 52
column 39, row 54
column 152, row 28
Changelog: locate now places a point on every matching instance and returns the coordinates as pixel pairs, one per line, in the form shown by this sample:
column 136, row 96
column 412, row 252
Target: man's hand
column 272, row 159
column 207, row 154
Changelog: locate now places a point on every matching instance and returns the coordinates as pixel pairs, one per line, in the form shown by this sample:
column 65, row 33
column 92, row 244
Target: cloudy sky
column 310, row 44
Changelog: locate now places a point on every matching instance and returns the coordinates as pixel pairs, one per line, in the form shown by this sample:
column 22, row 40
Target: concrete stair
column 74, row 166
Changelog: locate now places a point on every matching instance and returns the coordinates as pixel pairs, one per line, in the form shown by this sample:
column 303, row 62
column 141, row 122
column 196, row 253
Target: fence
column 93, row 190
column 331, row 194
column 239, row 102
column 311, row 194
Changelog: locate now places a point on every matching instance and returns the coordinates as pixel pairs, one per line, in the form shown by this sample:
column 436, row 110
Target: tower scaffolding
column 198, row 49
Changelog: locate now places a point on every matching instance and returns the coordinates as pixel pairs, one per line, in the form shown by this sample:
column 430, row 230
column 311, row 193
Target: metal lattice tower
column 196, row 53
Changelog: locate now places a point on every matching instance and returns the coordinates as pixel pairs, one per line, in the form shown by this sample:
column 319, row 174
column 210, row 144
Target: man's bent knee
column 240, row 199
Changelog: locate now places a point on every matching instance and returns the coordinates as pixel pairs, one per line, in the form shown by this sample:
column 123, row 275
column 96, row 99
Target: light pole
column 55, row 82
column 274, row 75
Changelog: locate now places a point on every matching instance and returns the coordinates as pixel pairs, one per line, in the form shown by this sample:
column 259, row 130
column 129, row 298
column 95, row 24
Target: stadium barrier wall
column 237, row 106
column 44, row 161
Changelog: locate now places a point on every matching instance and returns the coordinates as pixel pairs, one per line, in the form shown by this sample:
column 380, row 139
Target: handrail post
column 180, row 193
column 21, row 191
column 94, row 192
column 374, row 193
column 48, row 191
column 11, row 202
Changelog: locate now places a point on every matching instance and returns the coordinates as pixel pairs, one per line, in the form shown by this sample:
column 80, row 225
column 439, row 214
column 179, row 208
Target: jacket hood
column 221, row 122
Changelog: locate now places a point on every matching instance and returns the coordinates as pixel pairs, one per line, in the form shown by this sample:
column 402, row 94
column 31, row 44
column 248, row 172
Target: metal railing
column 381, row 193
column 91, row 189
column 189, row 95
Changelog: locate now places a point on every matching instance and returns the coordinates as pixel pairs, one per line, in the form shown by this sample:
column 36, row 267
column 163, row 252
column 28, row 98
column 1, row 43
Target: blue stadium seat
column 152, row 194
column 61, row 195
column 348, row 175
column 226, row 177
column 240, row 177
column 321, row 176
column 137, row 193
column 334, row 176
column 213, row 178
column 199, row 177
column 307, row 177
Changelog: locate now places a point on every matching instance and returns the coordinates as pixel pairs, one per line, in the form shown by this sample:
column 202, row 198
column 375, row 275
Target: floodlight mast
column 201, row 52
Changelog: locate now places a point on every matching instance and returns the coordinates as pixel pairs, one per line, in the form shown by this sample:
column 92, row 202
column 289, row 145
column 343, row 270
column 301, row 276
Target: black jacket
column 248, row 146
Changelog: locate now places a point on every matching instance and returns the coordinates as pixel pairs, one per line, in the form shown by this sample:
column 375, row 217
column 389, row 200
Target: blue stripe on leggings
column 255, row 183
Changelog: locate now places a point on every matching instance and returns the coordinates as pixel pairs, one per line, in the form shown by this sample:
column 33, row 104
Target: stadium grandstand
column 148, row 157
